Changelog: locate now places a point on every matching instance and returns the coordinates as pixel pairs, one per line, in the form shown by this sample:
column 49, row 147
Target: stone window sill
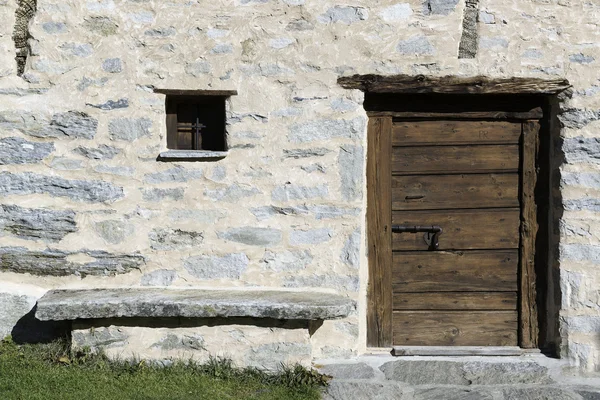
column 191, row 155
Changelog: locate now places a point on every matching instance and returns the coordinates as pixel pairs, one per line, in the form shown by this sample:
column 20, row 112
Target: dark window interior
column 196, row 123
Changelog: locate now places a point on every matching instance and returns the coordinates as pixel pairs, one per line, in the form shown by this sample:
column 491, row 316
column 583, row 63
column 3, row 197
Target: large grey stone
column 114, row 231
column 580, row 252
column 177, row 342
column 112, row 65
column 418, row 45
column 271, row 356
column 584, row 179
column 305, row 153
column 338, row 282
column 326, row 129
column 289, row 192
column 78, row 49
column 587, row 203
column 29, row 183
column 160, row 277
column 344, row 14
column 300, row 25
column 312, row 236
column 198, row 68
column 365, row 390
column 176, row 174
column 174, row 239
column 589, row 393
column 266, row 212
column 190, row 303
column 230, row 266
column 253, row 236
column 328, row 212
column 425, row 372
column 451, row 393
column 156, row 195
column 37, row 223
column 14, row 307
column 286, row 260
column 99, row 338
column 396, row 12
column 582, row 324
column 351, row 251
column 540, row 393
column 14, row 150
column 577, row 118
column 55, row 262
column 358, row 370
column 66, row 164
column 485, row 373
column 111, row 105
column 352, row 173
column 231, row 194
column 129, row 129
column 54, row 27
column 581, row 149
column 73, row 124
column 580, row 58
column 101, row 25
column 439, row 7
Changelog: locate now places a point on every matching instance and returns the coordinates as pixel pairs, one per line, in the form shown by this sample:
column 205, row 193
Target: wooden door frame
column 542, row 92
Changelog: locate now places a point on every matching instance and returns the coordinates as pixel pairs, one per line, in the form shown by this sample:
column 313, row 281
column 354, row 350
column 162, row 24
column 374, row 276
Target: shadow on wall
column 28, row 329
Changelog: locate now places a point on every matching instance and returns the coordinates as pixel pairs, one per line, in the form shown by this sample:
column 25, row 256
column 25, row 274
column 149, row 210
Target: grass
column 52, row 371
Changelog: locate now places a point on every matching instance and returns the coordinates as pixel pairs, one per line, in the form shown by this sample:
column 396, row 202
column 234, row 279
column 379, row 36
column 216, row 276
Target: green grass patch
column 52, row 371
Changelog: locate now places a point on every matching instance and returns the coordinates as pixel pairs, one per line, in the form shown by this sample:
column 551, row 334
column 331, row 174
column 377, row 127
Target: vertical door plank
column 529, row 228
column 379, row 221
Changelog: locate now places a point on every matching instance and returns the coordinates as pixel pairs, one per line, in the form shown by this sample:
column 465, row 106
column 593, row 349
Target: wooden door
column 475, row 180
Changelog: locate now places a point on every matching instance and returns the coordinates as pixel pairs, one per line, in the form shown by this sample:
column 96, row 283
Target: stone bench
column 260, row 328
column 58, row 305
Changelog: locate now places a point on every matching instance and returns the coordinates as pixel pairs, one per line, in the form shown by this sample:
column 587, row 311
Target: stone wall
column 86, row 204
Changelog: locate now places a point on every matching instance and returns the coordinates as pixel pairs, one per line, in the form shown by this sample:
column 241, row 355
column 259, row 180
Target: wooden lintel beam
column 452, row 85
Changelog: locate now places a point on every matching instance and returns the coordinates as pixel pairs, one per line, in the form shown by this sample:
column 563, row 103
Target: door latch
column 431, row 236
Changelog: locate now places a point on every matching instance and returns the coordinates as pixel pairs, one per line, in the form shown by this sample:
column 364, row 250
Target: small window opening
column 196, row 120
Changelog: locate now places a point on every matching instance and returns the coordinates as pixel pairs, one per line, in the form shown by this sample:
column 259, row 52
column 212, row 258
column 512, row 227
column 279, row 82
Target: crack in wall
column 469, row 39
column 25, row 11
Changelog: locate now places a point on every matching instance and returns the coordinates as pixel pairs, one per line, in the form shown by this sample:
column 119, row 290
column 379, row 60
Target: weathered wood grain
column 456, row 301
column 411, row 133
column 452, row 85
column 455, row 159
column 529, row 228
column 433, row 271
column 379, row 218
column 459, row 328
column 534, row 113
column 423, row 192
column 463, row 229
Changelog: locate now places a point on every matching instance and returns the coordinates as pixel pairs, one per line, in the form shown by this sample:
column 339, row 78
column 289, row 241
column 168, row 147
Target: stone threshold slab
column 59, row 305
column 461, row 351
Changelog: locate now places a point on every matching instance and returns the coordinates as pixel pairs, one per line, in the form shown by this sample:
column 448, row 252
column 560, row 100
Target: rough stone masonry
column 85, row 204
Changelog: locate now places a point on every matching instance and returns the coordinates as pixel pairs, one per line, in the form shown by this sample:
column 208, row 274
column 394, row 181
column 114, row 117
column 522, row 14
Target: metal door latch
column 431, row 237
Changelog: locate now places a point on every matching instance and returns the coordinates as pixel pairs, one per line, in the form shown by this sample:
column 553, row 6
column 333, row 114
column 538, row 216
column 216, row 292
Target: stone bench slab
column 59, row 305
